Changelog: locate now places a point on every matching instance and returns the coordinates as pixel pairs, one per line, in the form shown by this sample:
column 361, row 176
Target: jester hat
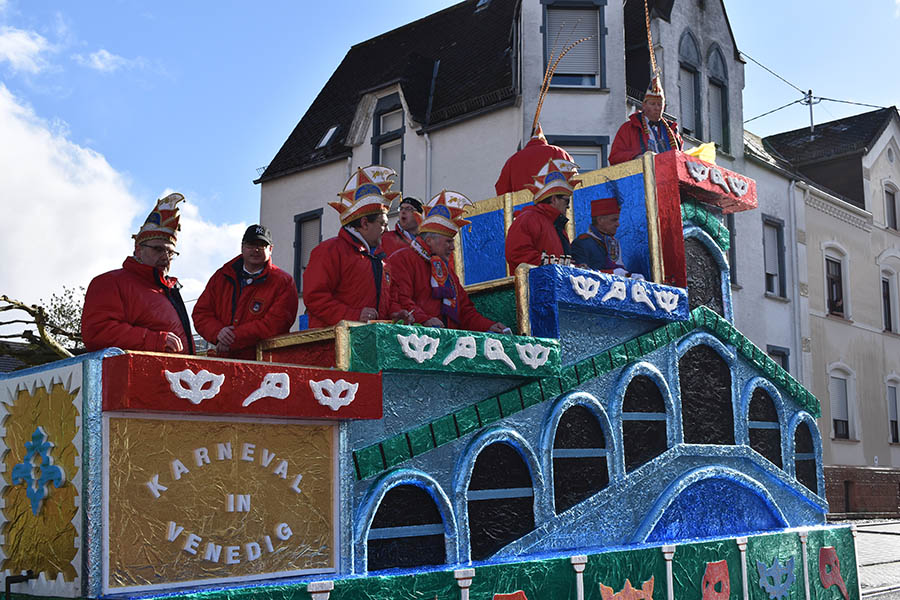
column 557, row 177
column 367, row 192
column 163, row 221
column 655, row 89
column 443, row 214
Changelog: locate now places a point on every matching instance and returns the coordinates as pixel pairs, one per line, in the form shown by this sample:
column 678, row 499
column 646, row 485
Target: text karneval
column 233, row 503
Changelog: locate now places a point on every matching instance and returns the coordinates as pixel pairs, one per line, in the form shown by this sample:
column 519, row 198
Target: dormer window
column 387, row 135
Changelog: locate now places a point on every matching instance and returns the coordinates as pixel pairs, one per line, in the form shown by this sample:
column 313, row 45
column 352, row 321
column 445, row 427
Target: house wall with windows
column 703, row 75
column 768, row 258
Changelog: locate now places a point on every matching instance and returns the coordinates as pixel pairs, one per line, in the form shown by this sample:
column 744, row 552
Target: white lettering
column 243, row 503
column 178, row 469
column 231, row 555
column 267, row 457
column 212, row 552
column 283, row 532
column 296, row 485
column 247, row 452
column 155, row 486
column 253, row 551
column 229, row 503
column 223, row 451
column 281, row 470
column 201, row 456
column 190, row 545
column 174, row 531
column 268, row 542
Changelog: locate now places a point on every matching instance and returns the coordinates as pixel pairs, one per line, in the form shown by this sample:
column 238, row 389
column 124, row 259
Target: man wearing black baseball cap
column 406, row 229
column 247, row 300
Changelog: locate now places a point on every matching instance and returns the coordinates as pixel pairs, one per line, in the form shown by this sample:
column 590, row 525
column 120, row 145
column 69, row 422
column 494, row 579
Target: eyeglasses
column 162, row 249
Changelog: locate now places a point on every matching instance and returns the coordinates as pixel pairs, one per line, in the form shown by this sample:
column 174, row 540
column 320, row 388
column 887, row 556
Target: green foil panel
column 531, row 394
column 418, row 586
column 420, row 440
column 444, row 430
column 690, row 563
column 369, row 461
column 619, row 356
column 550, row 387
column 766, row 549
column 467, row 420
column 510, row 402
column 497, row 305
column 489, row 411
column 707, row 222
column 585, row 369
column 632, row 350
column 613, row 568
column 377, row 347
column 844, row 545
column 396, row 450
column 568, row 378
column 552, row 578
column 603, row 362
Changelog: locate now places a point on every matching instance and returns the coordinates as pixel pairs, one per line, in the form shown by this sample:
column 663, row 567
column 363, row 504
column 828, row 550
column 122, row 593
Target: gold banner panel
column 197, row 500
column 41, row 536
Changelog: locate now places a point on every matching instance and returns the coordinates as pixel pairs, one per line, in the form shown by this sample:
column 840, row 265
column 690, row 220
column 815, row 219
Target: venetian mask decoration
column 628, row 592
column 830, row 570
column 777, row 579
column 716, row 583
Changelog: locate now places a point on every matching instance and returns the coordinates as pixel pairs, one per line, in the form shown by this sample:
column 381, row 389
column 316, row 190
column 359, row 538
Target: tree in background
column 46, row 331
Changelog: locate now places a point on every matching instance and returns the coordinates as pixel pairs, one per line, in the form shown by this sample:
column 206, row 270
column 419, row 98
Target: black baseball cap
column 414, row 202
column 258, row 233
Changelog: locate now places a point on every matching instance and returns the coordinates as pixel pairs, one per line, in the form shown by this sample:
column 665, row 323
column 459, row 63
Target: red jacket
column 265, row 307
column 392, row 241
column 631, row 141
column 533, row 232
column 339, row 282
column 411, row 290
column 133, row 308
column 524, row 164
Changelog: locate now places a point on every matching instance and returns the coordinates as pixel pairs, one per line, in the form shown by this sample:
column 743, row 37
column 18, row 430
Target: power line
column 774, row 110
column 744, row 54
column 850, row 102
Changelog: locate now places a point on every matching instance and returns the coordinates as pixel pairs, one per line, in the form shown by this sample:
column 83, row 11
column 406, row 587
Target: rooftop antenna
column 808, row 99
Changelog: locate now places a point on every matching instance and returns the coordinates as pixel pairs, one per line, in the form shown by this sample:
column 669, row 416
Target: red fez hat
column 604, row 206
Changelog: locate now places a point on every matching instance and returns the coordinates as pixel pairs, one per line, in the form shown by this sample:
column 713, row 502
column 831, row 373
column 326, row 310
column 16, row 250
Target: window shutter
column 837, row 390
column 686, row 91
column 716, row 130
column 892, row 402
column 564, row 26
column 770, row 249
column 309, row 239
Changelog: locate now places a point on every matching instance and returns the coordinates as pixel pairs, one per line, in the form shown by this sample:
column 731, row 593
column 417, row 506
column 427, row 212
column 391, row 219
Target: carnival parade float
column 628, row 443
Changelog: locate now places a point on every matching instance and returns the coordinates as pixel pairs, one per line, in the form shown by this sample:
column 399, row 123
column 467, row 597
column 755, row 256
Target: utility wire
column 745, row 55
column 849, row 102
column 775, row 110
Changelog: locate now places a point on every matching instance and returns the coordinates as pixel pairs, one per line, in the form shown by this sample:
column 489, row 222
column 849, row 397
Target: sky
column 106, row 106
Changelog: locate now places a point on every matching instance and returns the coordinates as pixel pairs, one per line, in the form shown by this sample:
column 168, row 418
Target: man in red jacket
column 538, row 232
column 406, row 228
column 520, row 167
column 345, row 278
column 247, row 300
column 647, row 129
column 424, row 283
column 138, row 307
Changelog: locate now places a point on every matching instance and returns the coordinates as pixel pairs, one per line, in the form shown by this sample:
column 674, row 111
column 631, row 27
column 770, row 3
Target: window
column 583, row 65
column 886, row 304
column 890, row 208
column 689, row 85
column 579, row 458
column 307, row 235
column 892, row 413
column 407, row 530
column 327, row 137
column 780, row 355
column 732, row 248
column 718, row 100
column 707, row 413
column 840, row 408
column 834, row 285
column 773, row 253
column 387, row 135
column 588, row 151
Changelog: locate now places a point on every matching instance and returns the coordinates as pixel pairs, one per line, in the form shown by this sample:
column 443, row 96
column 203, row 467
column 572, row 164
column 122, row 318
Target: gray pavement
column 878, row 551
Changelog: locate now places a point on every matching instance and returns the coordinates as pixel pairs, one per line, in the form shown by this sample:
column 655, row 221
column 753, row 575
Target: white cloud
column 68, row 215
column 23, row 49
column 104, row 61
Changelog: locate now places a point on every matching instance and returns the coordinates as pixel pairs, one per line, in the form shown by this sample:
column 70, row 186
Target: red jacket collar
column 148, row 273
column 544, row 209
column 353, row 241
